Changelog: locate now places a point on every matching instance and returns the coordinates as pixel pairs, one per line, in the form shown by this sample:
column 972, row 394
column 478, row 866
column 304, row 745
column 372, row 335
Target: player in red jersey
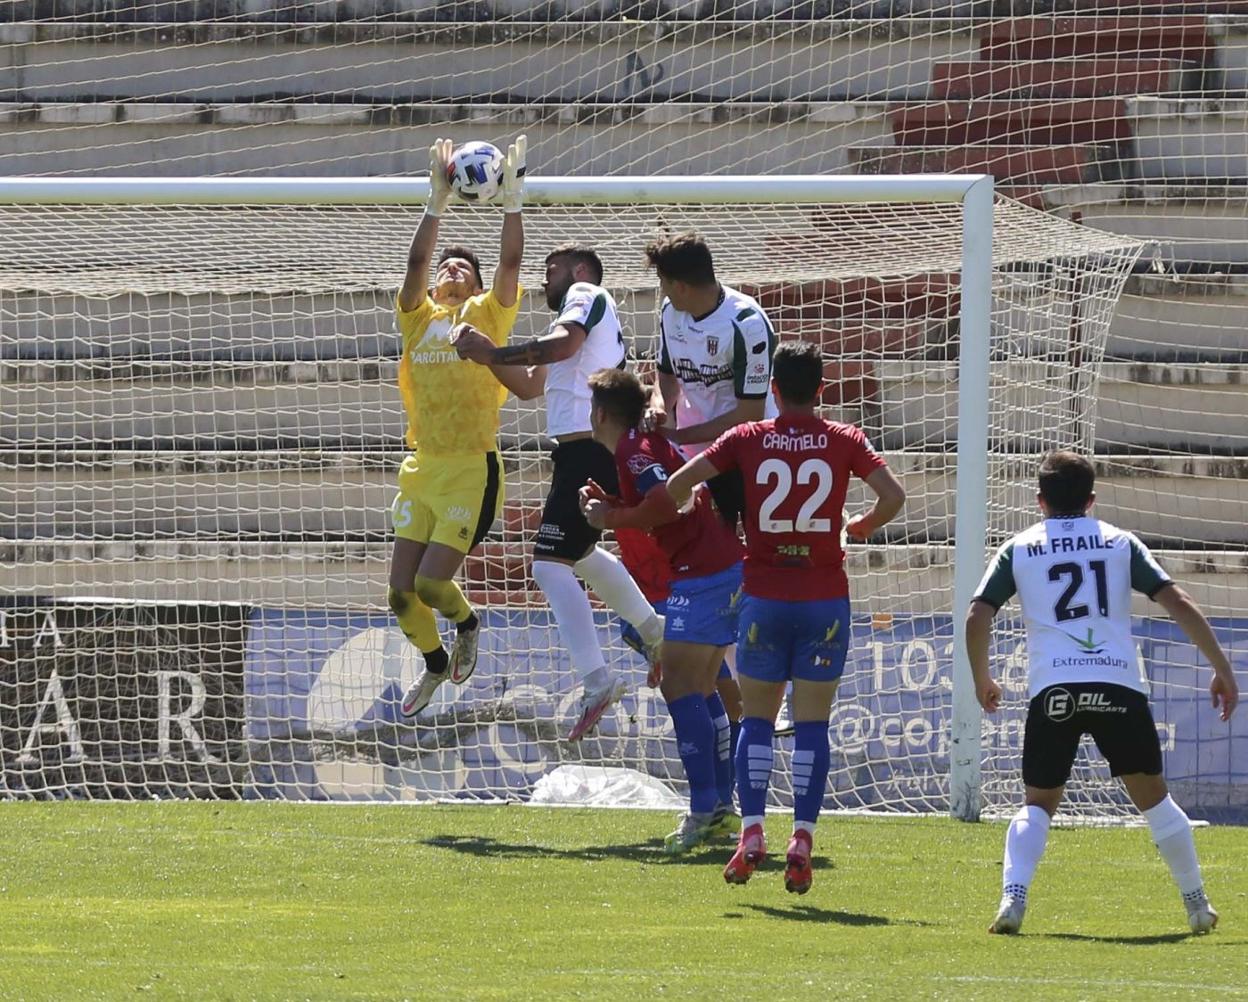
column 704, row 560
column 794, row 622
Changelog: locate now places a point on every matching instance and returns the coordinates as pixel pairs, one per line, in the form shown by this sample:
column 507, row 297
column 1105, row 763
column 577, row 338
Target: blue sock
column 695, row 741
column 734, row 738
column 811, row 757
column 723, row 748
column 754, row 761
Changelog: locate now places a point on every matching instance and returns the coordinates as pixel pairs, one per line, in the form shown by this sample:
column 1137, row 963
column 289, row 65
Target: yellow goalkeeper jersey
column 452, row 404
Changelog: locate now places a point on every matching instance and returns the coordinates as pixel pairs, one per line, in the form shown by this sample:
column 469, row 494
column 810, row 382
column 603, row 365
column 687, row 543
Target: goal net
column 200, row 429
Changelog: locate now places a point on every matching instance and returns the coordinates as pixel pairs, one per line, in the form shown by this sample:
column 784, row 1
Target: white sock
column 573, row 615
column 805, row 826
column 751, row 819
column 1172, row 834
column 1024, row 845
column 614, row 585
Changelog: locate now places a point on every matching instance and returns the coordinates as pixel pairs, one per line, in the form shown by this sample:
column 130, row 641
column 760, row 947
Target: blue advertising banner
column 323, row 688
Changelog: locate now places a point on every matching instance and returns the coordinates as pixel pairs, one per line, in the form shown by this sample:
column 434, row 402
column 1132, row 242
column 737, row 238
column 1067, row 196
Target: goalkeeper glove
column 513, row 175
column 439, row 183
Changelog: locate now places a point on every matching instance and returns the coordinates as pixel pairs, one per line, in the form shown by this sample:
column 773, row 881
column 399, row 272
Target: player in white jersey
column 585, row 336
column 715, row 351
column 1074, row 575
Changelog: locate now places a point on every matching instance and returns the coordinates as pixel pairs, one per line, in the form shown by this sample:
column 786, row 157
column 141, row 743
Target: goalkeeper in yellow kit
column 450, row 486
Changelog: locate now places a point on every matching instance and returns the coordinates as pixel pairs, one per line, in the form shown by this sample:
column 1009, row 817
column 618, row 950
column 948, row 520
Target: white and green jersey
column 719, row 359
column 567, row 382
column 1073, row 578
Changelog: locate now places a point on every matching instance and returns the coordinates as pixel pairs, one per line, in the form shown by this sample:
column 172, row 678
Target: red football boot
column 797, row 872
column 751, row 850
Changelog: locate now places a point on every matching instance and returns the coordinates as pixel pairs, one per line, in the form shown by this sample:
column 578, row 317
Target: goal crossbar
column 894, row 188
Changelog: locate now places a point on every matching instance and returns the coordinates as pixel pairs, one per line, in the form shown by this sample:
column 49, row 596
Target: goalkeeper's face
column 454, row 281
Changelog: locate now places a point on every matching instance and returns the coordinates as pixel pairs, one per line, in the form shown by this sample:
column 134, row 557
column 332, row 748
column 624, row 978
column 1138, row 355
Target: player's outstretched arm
column 420, row 254
column 747, row 409
column 681, row 483
column 511, row 246
column 471, row 344
column 978, row 637
column 1183, row 610
column 890, row 497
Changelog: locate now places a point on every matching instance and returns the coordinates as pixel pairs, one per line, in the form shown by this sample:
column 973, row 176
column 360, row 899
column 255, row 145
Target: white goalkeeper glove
column 439, row 184
column 513, row 175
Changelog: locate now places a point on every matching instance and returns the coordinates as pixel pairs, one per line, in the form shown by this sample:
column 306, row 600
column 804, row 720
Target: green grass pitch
column 272, row 901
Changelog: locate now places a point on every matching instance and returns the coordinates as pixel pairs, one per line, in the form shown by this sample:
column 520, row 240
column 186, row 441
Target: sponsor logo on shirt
column 707, row 375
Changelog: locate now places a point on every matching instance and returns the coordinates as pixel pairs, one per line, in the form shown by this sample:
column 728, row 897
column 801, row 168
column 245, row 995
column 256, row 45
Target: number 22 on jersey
column 814, row 474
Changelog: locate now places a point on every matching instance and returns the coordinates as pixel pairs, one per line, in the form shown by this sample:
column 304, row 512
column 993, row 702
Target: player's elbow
column 979, row 616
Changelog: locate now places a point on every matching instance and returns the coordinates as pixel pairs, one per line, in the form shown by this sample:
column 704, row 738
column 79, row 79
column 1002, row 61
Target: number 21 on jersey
column 814, row 474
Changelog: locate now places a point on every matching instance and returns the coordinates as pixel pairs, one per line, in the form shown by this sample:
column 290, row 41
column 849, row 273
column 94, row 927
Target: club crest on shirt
column 712, row 345
column 639, row 462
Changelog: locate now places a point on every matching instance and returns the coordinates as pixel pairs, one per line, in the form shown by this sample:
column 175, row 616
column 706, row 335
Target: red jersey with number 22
column 796, row 472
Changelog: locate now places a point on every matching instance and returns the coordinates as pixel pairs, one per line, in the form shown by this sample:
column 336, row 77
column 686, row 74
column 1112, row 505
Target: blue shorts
column 704, row 610
column 793, row 640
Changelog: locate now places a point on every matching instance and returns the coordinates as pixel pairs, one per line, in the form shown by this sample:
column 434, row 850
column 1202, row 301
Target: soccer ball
column 476, row 171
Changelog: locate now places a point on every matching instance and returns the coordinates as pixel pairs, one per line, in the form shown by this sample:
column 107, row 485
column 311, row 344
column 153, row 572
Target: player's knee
column 429, row 590
column 399, row 601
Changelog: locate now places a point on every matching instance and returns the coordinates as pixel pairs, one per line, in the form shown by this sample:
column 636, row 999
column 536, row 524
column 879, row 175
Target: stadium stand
column 1120, row 117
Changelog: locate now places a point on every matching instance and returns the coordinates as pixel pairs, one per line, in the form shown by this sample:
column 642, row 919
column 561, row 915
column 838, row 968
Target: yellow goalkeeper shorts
column 452, row 500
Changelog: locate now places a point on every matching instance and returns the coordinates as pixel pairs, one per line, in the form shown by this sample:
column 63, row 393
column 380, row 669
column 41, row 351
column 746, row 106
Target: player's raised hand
column 988, row 692
column 469, row 343
column 439, row 183
column 513, row 175
column 653, row 418
column 1225, row 693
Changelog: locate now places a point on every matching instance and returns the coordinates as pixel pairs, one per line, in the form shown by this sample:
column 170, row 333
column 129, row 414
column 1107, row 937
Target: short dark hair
column 619, row 393
column 466, row 254
column 683, row 258
column 580, row 254
column 1066, row 482
column 798, row 371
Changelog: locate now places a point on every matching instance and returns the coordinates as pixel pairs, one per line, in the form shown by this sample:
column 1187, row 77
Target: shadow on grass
column 637, row 852
column 812, row 913
column 1165, row 937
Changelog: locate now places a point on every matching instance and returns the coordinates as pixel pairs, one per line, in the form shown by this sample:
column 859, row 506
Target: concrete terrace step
column 1067, row 78
column 308, row 496
column 1173, row 139
column 889, row 578
column 1032, row 166
column 1198, row 406
column 227, row 495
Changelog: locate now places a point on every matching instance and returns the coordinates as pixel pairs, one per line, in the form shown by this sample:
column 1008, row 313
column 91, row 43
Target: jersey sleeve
column 585, row 305
column 864, row 460
column 753, row 344
column 997, row 586
column 646, row 469
column 664, row 364
column 411, row 321
column 724, row 452
column 1147, row 575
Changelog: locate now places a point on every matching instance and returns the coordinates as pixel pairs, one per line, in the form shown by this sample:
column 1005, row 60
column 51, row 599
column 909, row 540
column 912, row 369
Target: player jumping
column 1074, row 575
column 794, row 620
column 586, row 336
column 450, row 486
column 704, row 558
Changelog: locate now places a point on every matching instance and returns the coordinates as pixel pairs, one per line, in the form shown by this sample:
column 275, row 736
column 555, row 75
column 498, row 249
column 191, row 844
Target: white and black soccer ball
column 476, row 171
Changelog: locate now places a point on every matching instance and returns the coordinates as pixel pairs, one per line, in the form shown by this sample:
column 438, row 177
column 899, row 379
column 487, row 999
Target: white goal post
column 1005, row 367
